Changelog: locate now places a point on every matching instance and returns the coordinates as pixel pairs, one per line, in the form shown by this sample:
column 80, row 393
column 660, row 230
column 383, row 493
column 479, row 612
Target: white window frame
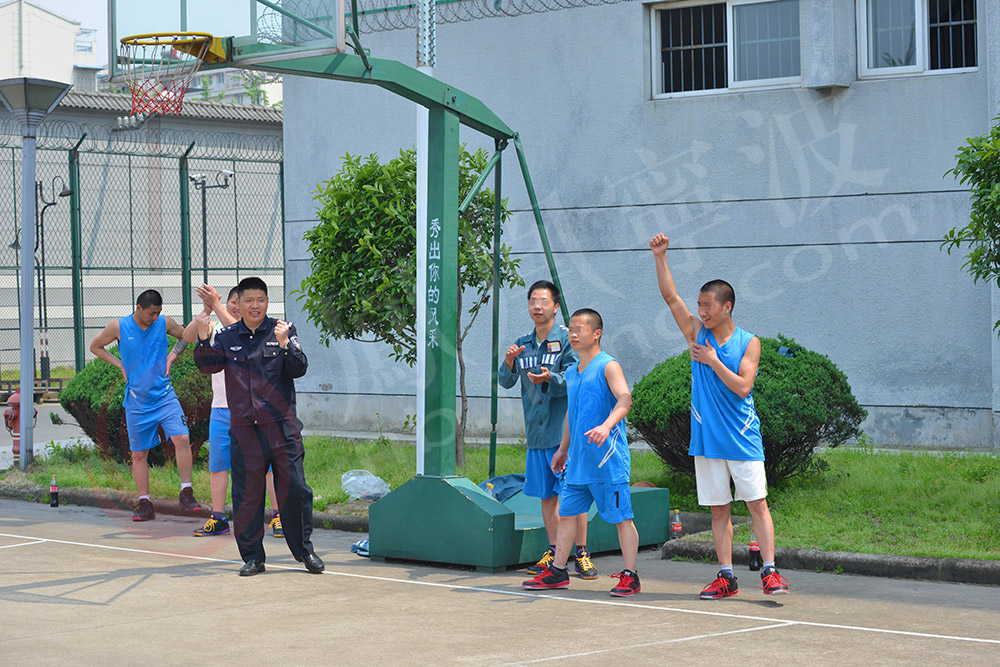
column 921, row 61
column 732, row 84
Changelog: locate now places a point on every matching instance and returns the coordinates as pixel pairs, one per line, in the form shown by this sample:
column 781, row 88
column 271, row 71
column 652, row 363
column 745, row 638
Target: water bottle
column 675, row 525
column 53, row 493
column 755, row 559
column 489, row 490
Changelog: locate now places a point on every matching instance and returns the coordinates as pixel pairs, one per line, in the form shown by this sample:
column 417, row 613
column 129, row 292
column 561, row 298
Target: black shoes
column 186, row 501
column 252, row 567
column 143, row 511
column 312, row 562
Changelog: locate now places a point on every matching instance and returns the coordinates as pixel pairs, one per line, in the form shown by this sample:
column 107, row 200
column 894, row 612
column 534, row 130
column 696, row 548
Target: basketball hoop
column 158, row 68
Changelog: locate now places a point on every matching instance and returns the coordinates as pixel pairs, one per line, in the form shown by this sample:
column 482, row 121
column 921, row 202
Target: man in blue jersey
column 150, row 401
column 594, row 455
column 539, row 359
column 725, row 430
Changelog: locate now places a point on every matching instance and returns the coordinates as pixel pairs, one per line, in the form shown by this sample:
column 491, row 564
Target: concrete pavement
column 83, row 585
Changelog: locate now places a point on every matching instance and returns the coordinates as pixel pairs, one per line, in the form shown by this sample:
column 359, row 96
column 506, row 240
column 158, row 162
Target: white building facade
column 43, row 44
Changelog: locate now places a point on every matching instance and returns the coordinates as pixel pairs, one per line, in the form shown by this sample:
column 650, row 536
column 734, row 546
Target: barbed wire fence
column 132, row 199
column 386, row 15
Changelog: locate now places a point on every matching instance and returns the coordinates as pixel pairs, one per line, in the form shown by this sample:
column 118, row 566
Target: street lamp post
column 44, row 364
column 200, row 183
column 29, row 100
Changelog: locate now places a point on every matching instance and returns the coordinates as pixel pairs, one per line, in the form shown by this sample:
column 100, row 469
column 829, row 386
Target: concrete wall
column 824, row 206
column 45, row 48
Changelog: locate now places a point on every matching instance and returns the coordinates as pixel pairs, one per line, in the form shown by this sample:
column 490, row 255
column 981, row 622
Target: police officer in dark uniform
column 262, row 357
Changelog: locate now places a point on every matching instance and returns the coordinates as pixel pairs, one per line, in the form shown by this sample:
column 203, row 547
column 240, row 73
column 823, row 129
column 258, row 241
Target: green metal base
column 451, row 520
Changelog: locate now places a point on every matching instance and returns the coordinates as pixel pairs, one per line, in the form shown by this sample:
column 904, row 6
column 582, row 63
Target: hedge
column 802, row 401
column 94, row 397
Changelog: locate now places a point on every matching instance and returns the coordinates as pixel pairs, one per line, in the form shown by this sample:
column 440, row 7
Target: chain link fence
column 137, row 198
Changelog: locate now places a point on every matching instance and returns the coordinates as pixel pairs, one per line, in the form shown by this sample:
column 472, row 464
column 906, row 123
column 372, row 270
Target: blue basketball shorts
column 539, row 480
column 218, row 441
column 614, row 502
column 143, row 423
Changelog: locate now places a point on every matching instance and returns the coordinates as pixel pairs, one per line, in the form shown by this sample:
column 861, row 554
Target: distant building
column 234, row 86
column 46, row 45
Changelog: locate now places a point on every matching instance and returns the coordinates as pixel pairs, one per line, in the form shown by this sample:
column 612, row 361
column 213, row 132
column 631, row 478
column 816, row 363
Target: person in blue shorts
column 594, row 455
column 218, row 428
column 150, row 402
column 539, row 359
column 725, row 429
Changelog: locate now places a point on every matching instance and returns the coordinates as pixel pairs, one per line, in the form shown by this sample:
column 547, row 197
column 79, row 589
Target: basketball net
column 158, row 69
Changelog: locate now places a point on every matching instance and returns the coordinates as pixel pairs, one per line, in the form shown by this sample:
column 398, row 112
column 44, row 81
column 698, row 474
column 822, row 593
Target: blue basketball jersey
column 723, row 425
column 144, row 355
column 590, row 403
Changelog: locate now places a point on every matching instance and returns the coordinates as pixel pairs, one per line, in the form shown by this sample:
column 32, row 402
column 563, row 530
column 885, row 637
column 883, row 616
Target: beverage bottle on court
column 53, row 493
column 755, row 559
column 675, row 524
column 489, row 490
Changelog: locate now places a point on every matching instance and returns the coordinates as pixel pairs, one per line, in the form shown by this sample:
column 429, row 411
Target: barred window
column 907, row 36
column 952, row 41
column 738, row 43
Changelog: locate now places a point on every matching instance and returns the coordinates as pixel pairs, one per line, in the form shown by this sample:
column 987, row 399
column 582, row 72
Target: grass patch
column 901, row 503
column 56, row 372
column 910, row 503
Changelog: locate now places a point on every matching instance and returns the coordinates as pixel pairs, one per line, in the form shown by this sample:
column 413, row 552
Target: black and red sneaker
column 772, row 583
column 144, row 511
column 186, row 501
column 724, row 586
column 628, row 584
column 550, row 577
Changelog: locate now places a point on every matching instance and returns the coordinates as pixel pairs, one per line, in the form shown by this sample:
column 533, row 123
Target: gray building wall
column 823, row 204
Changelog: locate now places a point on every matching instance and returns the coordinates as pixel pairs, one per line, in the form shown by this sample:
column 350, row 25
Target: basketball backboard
column 260, row 29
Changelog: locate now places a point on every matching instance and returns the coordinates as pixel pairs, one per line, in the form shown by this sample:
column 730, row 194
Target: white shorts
column 713, row 475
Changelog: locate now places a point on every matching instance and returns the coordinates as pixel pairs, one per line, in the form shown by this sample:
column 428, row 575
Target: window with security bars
column 723, row 45
column 912, row 36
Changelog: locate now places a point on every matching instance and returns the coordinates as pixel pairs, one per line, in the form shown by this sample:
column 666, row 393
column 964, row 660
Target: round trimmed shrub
column 94, row 397
column 802, row 401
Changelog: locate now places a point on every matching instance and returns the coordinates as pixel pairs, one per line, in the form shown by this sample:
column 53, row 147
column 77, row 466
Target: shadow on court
column 86, row 585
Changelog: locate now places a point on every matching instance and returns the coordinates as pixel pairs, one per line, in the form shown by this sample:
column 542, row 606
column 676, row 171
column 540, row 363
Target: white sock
column 185, row 485
column 143, row 497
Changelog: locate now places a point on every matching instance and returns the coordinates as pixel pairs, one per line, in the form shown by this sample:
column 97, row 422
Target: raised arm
column 108, row 335
column 619, row 387
column 213, row 304
column 688, row 323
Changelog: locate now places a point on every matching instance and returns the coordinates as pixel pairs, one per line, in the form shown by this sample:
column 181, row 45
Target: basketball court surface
column 86, row 585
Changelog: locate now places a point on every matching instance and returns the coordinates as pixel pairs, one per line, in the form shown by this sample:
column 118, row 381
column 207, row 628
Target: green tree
column 253, row 85
column 362, row 284
column 978, row 166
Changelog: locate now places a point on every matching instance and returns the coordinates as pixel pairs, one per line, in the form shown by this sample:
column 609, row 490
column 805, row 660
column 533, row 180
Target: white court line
column 659, row 643
column 22, row 544
column 497, row 591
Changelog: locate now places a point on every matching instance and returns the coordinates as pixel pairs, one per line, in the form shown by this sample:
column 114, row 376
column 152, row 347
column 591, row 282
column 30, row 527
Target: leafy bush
column 94, row 397
column 802, row 401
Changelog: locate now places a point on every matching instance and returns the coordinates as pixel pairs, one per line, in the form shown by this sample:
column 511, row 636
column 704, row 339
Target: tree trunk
column 460, row 420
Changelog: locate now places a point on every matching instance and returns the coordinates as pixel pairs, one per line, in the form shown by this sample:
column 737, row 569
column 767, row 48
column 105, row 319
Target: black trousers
column 253, row 448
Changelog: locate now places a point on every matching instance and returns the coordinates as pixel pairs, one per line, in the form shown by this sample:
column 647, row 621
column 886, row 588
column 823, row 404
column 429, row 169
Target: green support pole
column 186, row 237
column 76, row 245
column 441, row 329
column 478, row 185
column 541, row 226
column 494, row 374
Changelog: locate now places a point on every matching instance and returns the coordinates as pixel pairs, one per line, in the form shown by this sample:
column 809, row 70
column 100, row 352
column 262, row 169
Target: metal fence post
column 76, row 249
column 186, row 236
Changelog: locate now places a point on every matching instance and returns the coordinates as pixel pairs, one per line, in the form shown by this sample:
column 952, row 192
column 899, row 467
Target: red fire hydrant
column 12, row 420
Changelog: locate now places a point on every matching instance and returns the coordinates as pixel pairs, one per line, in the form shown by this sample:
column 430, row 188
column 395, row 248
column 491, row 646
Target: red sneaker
column 628, row 584
column 723, row 587
column 548, row 578
column 772, row 583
